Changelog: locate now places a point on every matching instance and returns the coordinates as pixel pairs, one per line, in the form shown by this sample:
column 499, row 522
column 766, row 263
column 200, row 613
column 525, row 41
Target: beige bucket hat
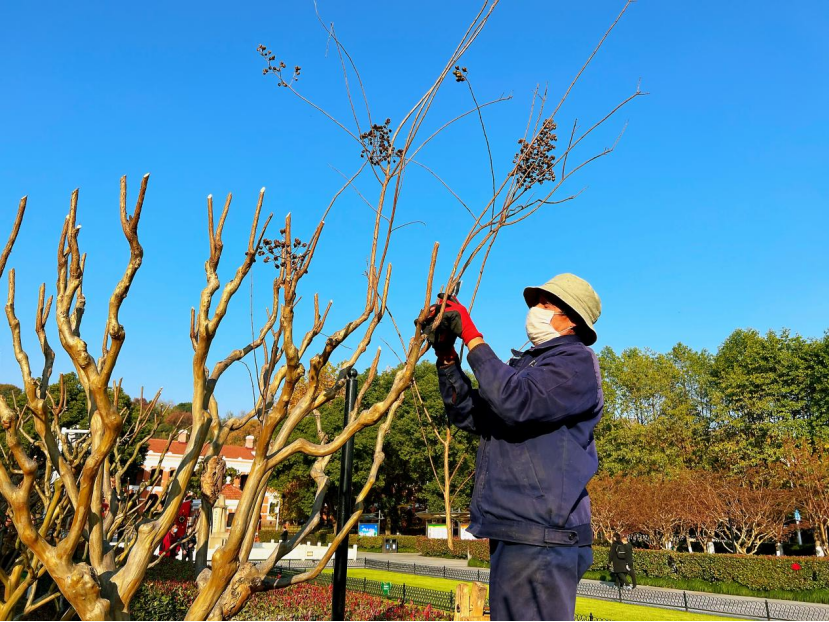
column 577, row 294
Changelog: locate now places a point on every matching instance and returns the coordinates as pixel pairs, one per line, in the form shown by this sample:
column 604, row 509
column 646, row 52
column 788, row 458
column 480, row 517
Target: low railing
column 421, row 596
column 754, row 608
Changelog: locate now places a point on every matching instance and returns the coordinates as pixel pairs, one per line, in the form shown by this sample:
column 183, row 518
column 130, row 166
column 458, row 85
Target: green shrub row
column 463, row 549
column 756, row 572
column 405, row 544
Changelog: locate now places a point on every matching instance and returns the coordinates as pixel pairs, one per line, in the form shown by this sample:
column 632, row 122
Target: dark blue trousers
column 535, row 582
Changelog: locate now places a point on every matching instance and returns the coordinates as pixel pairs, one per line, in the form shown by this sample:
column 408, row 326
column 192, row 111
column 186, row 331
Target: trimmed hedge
column 756, row 572
column 405, row 544
column 472, row 549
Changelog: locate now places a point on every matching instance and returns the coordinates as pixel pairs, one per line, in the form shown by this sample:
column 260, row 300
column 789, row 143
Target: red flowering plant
column 313, row 602
column 170, row 589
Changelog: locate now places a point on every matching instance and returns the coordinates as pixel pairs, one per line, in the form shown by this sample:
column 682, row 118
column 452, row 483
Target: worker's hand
column 444, row 346
column 459, row 321
column 442, row 338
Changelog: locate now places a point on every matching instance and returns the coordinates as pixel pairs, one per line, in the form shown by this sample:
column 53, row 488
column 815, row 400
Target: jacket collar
column 546, row 345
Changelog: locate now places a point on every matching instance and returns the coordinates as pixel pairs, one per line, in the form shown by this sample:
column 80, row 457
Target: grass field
column 584, row 606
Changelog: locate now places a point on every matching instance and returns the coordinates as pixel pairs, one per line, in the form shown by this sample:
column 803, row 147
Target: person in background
column 284, row 537
column 620, row 559
column 629, row 564
column 616, row 563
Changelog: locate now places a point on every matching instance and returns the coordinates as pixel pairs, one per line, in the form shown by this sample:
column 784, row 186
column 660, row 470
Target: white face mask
column 539, row 328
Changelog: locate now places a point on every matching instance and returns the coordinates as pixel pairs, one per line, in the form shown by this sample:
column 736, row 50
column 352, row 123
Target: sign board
column 368, row 529
column 386, row 588
column 465, row 535
column 436, row 531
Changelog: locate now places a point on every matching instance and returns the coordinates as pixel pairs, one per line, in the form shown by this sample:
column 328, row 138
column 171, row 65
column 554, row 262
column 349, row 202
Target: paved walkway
column 414, row 558
column 655, row 593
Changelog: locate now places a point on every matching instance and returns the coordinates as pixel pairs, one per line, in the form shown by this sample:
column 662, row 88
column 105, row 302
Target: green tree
column 653, row 421
column 406, row 480
column 761, row 397
column 818, row 392
column 76, row 416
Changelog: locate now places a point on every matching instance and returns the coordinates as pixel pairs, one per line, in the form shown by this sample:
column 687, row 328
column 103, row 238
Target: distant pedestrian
column 284, row 537
column 620, row 559
column 629, row 556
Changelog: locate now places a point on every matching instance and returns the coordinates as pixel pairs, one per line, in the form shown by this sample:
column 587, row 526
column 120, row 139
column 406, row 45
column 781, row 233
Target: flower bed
column 313, row 602
column 170, row 588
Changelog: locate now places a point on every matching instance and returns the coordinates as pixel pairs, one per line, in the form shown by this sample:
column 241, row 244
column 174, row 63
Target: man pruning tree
column 535, row 416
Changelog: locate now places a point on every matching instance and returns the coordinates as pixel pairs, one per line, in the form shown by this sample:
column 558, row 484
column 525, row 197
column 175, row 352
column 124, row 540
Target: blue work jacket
column 535, row 417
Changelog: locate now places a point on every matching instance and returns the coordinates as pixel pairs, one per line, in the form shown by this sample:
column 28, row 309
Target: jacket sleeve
column 464, row 405
column 559, row 386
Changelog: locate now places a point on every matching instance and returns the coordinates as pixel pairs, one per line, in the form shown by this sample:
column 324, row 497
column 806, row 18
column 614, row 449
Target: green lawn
column 617, row 611
column 734, row 589
column 398, row 578
column 584, row 606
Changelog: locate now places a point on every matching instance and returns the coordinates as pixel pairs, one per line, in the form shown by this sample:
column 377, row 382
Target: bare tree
column 755, row 513
column 451, row 479
column 99, row 578
column 706, row 507
column 807, row 472
column 656, row 509
column 610, row 501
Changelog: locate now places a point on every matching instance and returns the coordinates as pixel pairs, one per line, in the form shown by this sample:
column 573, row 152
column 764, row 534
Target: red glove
column 441, row 338
column 463, row 326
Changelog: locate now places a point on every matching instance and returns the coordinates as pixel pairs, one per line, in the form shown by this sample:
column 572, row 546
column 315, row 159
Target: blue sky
column 710, row 215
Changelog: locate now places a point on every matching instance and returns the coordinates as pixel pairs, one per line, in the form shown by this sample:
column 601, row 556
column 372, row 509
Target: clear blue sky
column 711, row 215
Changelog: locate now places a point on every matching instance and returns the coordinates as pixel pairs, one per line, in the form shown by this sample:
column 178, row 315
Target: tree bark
column 447, row 498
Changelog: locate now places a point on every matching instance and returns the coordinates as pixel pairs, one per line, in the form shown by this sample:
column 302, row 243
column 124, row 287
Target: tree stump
column 470, row 601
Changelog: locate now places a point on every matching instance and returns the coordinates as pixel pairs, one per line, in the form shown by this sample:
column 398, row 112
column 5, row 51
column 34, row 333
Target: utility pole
column 344, row 505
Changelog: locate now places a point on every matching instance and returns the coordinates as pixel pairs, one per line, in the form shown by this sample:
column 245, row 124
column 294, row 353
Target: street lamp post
column 344, row 505
column 797, row 520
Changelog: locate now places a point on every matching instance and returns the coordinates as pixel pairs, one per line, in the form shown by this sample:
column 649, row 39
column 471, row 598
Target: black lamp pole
column 344, row 505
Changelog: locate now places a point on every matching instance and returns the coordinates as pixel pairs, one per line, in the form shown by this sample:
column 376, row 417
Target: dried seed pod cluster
column 280, row 252
column 277, row 68
column 377, row 146
column 460, row 73
column 534, row 161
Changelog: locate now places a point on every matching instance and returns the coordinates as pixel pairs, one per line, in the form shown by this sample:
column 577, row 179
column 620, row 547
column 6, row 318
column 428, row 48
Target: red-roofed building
column 239, row 458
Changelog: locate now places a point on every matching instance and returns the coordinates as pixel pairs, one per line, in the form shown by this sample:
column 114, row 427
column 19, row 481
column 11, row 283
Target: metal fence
column 400, row 592
column 441, row 572
column 756, row 608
